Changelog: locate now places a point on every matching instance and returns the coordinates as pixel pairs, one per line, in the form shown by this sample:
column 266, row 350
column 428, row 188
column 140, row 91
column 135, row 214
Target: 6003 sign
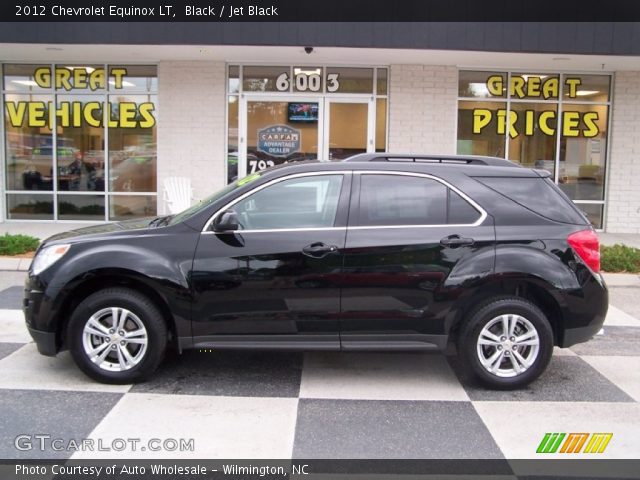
column 307, row 82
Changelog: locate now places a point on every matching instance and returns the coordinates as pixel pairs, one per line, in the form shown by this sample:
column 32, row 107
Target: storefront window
column 29, row 207
column 583, row 147
column 262, row 79
column 132, row 143
column 381, row 125
column 523, row 117
column 56, row 141
column 20, row 78
column 350, row 80
column 481, row 128
column 233, row 85
column 381, row 83
column 80, row 140
column 303, row 112
column 125, row 207
column 28, row 142
column 532, row 139
column 232, row 138
column 479, row 84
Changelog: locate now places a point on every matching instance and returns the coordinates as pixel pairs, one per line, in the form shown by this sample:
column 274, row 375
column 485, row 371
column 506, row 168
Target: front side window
column 305, row 202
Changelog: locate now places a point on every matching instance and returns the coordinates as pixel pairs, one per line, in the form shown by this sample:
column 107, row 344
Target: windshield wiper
column 160, row 221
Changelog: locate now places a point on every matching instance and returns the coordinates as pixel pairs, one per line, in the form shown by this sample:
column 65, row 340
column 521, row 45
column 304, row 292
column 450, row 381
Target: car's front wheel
column 117, row 336
column 507, row 343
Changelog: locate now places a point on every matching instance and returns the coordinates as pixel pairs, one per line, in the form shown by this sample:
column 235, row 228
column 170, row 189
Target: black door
column 412, row 243
column 270, row 281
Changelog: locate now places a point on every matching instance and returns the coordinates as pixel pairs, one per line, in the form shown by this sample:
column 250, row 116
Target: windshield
column 204, row 203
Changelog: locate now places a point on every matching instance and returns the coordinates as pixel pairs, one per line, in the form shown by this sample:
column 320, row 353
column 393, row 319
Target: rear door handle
column 319, row 250
column 454, row 241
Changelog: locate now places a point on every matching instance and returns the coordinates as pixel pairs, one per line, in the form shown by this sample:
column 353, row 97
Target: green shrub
column 620, row 258
column 17, row 244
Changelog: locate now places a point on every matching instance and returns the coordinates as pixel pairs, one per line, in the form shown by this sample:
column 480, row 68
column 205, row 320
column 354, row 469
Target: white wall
column 191, row 125
column 623, row 212
column 422, row 109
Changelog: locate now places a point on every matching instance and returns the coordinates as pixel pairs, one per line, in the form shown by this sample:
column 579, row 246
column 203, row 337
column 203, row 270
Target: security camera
column 308, row 50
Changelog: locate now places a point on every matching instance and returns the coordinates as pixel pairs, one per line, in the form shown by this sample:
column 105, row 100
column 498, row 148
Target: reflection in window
column 29, row 143
column 81, row 207
column 532, row 136
column 481, row 128
column 80, row 140
column 263, row 79
column 132, row 143
column 349, row 80
column 29, row 207
column 583, row 148
column 482, row 84
column 125, row 207
column 22, row 78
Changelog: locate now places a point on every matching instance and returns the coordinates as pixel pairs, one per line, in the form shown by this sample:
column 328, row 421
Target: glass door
column 278, row 131
column 348, row 127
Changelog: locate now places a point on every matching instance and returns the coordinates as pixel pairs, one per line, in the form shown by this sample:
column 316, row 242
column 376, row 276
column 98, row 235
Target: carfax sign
column 279, row 140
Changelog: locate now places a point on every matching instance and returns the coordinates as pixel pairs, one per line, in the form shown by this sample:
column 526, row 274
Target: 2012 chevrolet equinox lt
column 378, row 252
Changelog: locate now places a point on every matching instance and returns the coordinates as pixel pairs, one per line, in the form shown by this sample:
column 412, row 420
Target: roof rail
column 416, row 158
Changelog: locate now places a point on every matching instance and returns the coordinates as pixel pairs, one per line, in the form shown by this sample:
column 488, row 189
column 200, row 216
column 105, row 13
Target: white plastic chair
column 178, row 194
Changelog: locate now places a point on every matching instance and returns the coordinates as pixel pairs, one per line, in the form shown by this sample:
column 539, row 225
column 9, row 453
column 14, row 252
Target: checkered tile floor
column 322, row 405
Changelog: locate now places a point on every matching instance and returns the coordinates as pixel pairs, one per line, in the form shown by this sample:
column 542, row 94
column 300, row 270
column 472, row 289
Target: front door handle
column 319, row 250
column 454, row 241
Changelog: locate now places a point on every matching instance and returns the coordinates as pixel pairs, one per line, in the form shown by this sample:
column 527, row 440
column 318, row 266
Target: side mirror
column 226, row 222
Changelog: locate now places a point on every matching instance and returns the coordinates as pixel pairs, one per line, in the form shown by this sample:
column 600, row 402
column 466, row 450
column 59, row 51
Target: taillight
column 586, row 244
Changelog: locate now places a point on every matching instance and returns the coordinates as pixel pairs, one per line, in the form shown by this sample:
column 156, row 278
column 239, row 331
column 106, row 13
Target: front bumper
column 45, row 341
column 32, row 306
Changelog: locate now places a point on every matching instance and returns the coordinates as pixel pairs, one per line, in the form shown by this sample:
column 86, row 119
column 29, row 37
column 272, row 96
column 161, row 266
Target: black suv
column 377, row 252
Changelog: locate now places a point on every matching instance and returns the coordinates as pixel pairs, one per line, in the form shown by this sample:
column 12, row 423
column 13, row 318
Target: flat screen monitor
column 303, row 112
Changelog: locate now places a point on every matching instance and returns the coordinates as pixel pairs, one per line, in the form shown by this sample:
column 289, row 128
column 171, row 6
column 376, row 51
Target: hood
column 98, row 230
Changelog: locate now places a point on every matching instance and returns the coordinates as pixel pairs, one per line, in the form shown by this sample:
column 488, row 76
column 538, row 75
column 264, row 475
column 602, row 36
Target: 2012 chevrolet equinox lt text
column 377, row 252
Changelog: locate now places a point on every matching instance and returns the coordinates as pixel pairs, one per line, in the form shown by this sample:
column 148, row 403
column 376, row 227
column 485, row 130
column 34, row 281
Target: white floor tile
column 12, row 327
column 221, row 427
column 563, row 352
column 623, row 371
column 27, row 369
column 519, row 427
column 618, row 318
column 379, row 376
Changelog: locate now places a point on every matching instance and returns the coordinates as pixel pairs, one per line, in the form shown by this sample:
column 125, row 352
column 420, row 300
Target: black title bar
column 319, row 11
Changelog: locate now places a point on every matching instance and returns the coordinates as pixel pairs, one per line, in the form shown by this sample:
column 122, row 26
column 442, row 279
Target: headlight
column 47, row 257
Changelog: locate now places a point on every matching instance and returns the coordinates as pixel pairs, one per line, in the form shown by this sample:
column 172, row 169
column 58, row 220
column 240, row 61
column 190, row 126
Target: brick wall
column 422, row 109
column 623, row 214
column 191, row 125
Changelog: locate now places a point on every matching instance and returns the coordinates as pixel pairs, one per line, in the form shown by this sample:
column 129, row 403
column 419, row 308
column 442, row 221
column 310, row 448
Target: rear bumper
column 573, row 336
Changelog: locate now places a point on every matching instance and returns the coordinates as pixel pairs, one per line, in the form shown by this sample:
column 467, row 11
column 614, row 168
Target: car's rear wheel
column 117, row 336
column 506, row 342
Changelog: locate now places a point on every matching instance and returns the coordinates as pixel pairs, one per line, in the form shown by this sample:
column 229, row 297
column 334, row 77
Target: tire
column 496, row 362
column 145, row 336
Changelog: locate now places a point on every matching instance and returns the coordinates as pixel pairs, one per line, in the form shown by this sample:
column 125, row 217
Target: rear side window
column 391, row 200
column 538, row 195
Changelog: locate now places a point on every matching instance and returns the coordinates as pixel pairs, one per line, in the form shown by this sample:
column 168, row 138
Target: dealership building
column 98, row 117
